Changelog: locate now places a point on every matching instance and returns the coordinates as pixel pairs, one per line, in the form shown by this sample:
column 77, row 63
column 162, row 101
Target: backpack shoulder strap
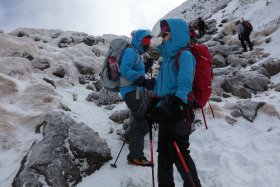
column 138, row 55
column 179, row 54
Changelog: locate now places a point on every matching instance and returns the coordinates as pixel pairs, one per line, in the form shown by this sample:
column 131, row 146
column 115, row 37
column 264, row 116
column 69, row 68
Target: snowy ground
column 245, row 154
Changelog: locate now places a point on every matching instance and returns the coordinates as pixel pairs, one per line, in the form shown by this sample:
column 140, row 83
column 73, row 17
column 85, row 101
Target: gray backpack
column 110, row 75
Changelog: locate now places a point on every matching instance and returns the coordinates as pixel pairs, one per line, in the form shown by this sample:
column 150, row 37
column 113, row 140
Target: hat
column 146, row 40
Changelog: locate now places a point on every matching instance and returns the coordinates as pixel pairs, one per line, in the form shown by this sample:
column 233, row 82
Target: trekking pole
column 183, row 163
column 211, row 109
column 204, row 118
column 114, row 165
column 151, row 150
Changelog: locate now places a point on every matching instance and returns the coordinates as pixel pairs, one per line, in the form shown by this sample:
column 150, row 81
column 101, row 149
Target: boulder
column 82, row 80
column 277, row 87
column 83, row 68
column 108, row 98
column 230, row 120
column 249, row 109
column 252, row 80
column 92, row 97
column 219, row 61
column 241, row 92
column 227, row 86
column 119, row 116
column 235, row 113
column 272, row 66
column 68, row 151
column 234, row 61
column 40, row 63
column 59, row 72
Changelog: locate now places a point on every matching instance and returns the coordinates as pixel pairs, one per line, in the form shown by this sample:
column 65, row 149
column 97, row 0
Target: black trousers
column 167, row 155
column 140, row 127
column 246, row 37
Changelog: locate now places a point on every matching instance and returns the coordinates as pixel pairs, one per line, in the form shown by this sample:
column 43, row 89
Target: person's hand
column 149, row 63
column 151, row 109
column 139, row 81
column 176, row 101
column 150, row 83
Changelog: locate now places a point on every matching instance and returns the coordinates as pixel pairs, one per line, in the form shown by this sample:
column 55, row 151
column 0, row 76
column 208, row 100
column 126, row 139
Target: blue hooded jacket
column 132, row 65
column 172, row 80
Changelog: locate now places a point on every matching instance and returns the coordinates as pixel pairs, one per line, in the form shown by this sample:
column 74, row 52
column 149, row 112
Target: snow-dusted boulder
column 277, row 87
column 227, row 86
column 241, row 92
column 18, row 68
column 249, row 109
column 18, row 47
column 69, row 151
column 40, row 63
column 106, row 98
column 224, row 50
column 252, row 80
column 8, row 86
column 219, row 61
column 59, row 72
column 119, row 116
column 217, row 83
column 234, row 61
column 92, row 96
column 84, row 68
column 272, row 66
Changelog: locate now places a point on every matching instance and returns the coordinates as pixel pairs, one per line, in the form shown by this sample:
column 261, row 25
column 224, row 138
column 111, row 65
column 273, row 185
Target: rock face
column 69, row 151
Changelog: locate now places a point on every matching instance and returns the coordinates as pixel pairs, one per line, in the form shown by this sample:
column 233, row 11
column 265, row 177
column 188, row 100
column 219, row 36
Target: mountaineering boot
column 245, row 50
column 139, row 162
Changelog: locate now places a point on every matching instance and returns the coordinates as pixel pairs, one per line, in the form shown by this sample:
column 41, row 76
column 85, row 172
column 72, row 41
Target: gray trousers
column 140, row 127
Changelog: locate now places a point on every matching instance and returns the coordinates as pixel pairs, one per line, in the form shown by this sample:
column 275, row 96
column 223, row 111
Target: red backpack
column 201, row 89
column 247, row 26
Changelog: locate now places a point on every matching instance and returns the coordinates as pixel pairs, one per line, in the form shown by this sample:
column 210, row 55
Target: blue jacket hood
column 180, row 37
column 171, row 79
column 137, row 39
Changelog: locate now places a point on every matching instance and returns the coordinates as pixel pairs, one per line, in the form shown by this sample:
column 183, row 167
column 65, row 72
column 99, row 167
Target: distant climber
column 202, row 27
column 244, row 30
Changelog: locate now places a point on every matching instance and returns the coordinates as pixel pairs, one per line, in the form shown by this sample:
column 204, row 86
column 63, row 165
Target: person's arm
column 129, row 59
column 185, row 75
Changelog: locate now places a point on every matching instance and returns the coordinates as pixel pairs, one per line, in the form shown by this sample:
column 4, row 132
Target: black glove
column 177, row 102
column 146, row 47
column 151, row 109
column 150, row 83
column 148, row 64
column 139, row 81
column 171, row 111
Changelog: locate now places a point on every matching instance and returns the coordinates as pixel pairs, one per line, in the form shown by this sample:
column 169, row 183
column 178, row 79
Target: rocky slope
column 49, row 79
